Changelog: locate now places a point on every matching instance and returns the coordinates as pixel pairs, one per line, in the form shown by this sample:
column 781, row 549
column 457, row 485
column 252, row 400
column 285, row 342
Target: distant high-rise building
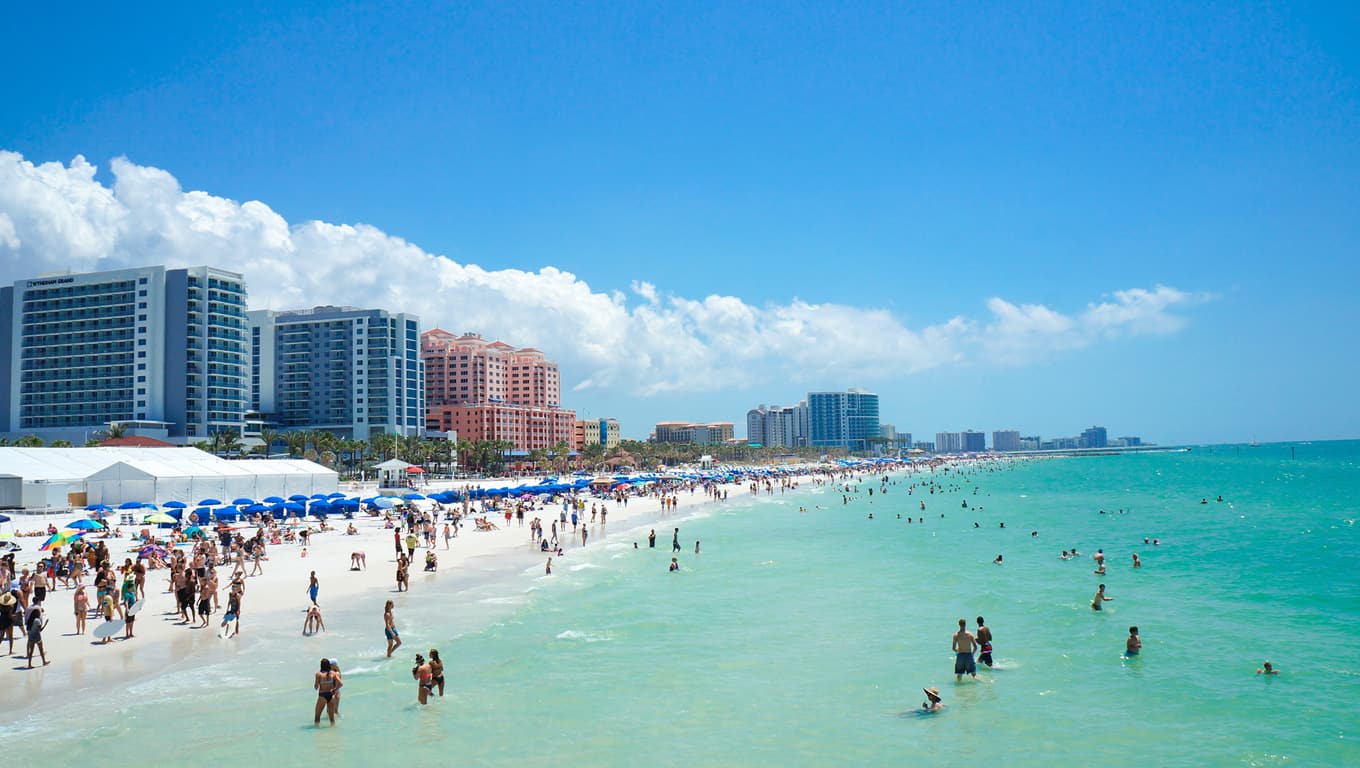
column 843, row 419
column 948, row 442
column 1005, row 440
column 1131, row 441
column 776, row 427
column 161, row 350
column 1030, row 443
column 688, row 432
column 1093, row 437
column 352, row 372
column 974, row 442
column 597, row 432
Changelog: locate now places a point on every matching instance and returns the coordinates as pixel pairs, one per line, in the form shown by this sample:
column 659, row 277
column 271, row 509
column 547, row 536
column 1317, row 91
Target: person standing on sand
column 390, row 629
column 313, row 587
column 964, row 644
column 984, row 638
column 36, row 622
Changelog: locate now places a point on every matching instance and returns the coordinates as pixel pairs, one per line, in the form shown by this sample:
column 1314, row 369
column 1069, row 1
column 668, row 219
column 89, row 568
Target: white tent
column 43, row 477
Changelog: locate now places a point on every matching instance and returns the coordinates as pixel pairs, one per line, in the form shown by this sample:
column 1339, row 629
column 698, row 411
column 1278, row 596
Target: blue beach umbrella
column 412, row 496
column 209, row 502
column 130, row 505
column 175, row 504
column 298, row 497
column 273, row 499
column 255, row 508
column 383, row 502
column 242, row 500
column 85, row 525
column 335, row 495
column 292, row 506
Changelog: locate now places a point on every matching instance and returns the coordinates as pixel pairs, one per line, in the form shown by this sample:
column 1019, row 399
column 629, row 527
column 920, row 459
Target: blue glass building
column 843, row 419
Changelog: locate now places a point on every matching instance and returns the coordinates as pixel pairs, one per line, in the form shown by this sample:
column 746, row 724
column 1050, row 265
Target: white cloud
column 55, row 217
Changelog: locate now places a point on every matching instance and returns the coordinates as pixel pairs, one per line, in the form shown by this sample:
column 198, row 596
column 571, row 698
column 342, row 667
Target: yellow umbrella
column 159, row 517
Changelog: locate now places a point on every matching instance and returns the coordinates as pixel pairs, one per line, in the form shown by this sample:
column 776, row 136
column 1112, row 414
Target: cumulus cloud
column 57, row 217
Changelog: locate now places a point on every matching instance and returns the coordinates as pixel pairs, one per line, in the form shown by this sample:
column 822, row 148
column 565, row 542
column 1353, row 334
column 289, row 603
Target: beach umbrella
column 242, row 500
column 292, row 506
column 254, row 508
column 85, row 525
column 335, row 495
column 192, row 530
column 130, row 505
column 412, row 496
column 175, row 504
column 60, row 538
column 209, row 502
column 159, row 517
column 273, row 499
column 298, row 497
column 149, row 550
column 383, row 502
column 99, row 508
column 317, row 496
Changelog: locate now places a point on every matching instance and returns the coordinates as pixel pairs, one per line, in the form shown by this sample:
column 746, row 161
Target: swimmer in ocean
column 1099, row 599
column 932, row 702
column 1133, row 645
column 1267, row 669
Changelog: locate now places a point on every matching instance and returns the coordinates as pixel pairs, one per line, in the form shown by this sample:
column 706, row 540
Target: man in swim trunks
column 1099, row 599
column 984, row 638
column 1133, row 645
column 964, row 645
column 390, row 629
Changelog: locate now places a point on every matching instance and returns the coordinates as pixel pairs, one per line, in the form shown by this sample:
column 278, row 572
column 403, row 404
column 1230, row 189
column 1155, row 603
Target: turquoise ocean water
column 805, row 638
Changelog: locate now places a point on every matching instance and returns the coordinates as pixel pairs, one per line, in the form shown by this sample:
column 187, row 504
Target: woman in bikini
column 326, row 684
column 424, row 679
column 437, row 670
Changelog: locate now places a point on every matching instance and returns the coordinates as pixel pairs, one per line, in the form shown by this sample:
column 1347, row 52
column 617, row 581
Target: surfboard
column 136, row 607
column 109, row 628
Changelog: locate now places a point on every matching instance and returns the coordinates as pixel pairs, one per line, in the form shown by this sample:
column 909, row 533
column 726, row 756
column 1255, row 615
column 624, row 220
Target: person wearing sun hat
column 8, row 618
column 932, row 702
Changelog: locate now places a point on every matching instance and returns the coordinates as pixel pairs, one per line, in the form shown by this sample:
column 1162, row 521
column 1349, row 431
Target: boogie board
column 136, row 608
column 109, row 628
column 228, row 622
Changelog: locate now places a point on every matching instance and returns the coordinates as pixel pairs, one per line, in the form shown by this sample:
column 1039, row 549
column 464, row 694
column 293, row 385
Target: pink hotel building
column 493, row 391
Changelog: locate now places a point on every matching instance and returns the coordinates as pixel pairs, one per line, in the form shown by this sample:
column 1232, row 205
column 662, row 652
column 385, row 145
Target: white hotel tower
column 164, row 350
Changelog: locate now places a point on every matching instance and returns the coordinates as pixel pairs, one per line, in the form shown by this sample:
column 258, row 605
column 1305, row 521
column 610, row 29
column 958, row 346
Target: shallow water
column 805, row 638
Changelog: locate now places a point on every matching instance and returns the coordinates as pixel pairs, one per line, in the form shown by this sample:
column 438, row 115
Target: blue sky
column 921, row 161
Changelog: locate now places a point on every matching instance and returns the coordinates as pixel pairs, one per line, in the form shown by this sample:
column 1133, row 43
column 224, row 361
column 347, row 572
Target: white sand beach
column 275, row 602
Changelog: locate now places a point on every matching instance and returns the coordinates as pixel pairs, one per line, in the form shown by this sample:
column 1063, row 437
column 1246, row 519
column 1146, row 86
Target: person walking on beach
column 964, row 644
column 35, row 622
column 313, row 587
column 984, row 638
column 1099, row 599
column 326, row 686
column 390, row 629
column 675, row 541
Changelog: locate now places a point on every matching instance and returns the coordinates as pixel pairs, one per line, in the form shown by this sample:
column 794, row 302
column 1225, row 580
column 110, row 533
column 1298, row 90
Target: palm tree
column 269, row 436
column 114, row 430
column 226, row 442
column 29, row 441
column 296, row 442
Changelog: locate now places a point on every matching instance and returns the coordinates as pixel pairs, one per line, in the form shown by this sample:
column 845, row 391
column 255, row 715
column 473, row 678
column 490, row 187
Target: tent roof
column 392, row 464
column 77, row 464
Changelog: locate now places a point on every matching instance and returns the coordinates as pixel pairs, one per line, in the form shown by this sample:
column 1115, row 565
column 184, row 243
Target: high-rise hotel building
column 492, row 391
column 843, row 419
column 352, row 372
column 162, row 349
